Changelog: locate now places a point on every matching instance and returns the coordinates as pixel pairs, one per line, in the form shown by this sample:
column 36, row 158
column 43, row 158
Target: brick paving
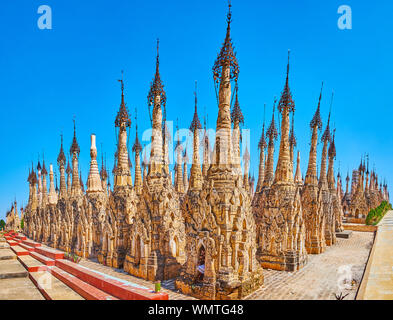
column 338, row 270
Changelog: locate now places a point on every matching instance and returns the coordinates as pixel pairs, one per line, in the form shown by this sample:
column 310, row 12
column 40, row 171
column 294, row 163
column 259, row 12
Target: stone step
column 84, row 289
column 4, row 245
column 45, row 260
column 52, row 288
column 19, row 289
column 7, row 254
column 50, row 253
column 20, row 251
column 25, row 246
column 31, row 264
column 119, row 288
column 31, row 243
column 12, row 269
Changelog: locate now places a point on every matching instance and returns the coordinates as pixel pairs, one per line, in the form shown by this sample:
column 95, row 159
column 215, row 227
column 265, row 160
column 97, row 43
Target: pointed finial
column 195, row 93
column 229, row 14
column 316, row 120
column 195, row 124
column 122, row 82
column 289, row 51
column 272, row 130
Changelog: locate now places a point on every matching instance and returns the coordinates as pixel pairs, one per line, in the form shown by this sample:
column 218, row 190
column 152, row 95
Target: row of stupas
column 13, row 220
column 209, row 230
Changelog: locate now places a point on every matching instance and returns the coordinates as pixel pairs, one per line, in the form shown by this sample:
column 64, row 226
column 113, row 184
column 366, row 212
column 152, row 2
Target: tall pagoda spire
column 195, row 127
column 225, row 69
column 206, row 150
column 272, row 135
column 137, row 148
column 246, row 162
column 292, row 141
column 52, row 196
column 122, row 173
column 326, row 138
column 94, row 183
column 332, row 156
column 68, row 171
column 298, row 173
column 157, row 98
column 179, row 187
column 103, row 173
column 284, row 169
column 61, row 162
column 185, row 172
column 261, row 146
column 315, row 124
column 237, row 119
column 44, row 173
column 74, row 152
column 145, row 164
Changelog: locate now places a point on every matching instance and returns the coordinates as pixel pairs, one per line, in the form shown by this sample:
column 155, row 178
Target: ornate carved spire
column 326, row 138
column 195, row 123
column 292, row 142
column 292, row 137
column 284, row 169
column 178, row 168
column 196, row 172
column 286, row 102
column 157, row 98
column 315, row 124
column 68, row 168
column 157, row 87
column 122, row 118
column 122, row 173
column 61, row 159
column 236, row 114
column 298, row 174
column 326, row 135
column 206, row 150
column 246, row 162
column 272, row 135
column 185, row 173
column 74, row 146
column 261, row 146
column 43, row 171
column 52, row 196
column 137, row 148
column 316, row 121
column 332, row 156
column 227, row 56
column 262, row 141
column 225, row 69
column 271, row 132
column 74, row 151
column 94, row 183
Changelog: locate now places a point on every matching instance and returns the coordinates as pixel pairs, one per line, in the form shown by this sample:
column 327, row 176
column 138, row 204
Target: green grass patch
column 375, row 215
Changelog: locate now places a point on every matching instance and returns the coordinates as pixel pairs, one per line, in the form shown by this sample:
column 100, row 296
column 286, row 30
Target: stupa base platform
column 288, row 262
column 346, row 234
column 220, row 290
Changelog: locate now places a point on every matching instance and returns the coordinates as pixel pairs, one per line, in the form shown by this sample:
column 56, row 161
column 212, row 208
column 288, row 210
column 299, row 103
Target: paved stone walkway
column 341, row 265
column 378, row 284
column 338, row 270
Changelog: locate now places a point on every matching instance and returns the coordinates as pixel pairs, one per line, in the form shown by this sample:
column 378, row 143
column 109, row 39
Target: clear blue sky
column 48, row 76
